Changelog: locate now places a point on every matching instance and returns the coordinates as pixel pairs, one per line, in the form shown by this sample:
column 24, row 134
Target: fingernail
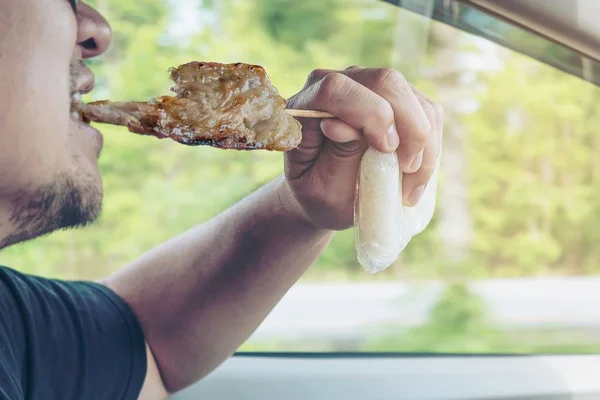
column 416, row 164
column 415, row 195
column 392, row 138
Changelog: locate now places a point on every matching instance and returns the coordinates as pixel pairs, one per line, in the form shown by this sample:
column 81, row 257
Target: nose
column 93, row 31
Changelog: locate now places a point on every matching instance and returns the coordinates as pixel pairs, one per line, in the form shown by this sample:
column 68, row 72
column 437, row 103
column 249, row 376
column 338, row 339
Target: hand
column 375, row 107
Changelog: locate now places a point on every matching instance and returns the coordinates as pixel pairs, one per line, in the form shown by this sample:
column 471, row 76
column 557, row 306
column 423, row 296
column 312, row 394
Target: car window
column 510, row 262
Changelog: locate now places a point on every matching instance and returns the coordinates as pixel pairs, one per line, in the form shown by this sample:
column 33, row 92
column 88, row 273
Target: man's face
column 49, row 176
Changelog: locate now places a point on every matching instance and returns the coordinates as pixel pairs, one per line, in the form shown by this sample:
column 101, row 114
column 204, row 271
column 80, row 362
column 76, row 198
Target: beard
column 67, row 203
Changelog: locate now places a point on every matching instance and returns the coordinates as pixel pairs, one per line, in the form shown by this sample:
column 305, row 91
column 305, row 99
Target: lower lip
column 93, row 133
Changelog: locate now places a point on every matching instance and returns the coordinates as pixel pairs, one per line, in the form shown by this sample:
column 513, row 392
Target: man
column 176, row 313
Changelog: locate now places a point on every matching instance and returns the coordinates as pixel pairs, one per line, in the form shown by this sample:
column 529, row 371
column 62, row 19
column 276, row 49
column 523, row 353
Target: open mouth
column 77, row 105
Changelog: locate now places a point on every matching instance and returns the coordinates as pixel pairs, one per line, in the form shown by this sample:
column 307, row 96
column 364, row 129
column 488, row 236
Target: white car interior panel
column 388, row 377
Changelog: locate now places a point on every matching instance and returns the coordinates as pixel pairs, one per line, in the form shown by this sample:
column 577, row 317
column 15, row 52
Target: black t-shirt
column 67, row 340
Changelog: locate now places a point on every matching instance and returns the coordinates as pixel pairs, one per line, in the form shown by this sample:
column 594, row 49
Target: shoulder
column 84, row 326
column 12, row 334
column 14, row 289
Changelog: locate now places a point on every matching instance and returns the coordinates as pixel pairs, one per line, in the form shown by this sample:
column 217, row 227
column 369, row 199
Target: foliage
column 534, row 151
column 458, row 324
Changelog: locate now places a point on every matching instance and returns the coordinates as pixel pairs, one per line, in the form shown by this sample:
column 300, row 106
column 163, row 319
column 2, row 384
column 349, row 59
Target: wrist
column 290, row 206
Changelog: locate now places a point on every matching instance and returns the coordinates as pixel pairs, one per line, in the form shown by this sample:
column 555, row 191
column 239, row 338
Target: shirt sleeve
column 69, row 339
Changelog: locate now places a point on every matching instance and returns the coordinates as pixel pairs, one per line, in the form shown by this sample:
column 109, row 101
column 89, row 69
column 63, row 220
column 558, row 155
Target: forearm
column 200, row 295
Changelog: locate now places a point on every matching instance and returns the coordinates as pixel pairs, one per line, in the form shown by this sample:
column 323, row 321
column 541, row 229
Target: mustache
column 76, row 69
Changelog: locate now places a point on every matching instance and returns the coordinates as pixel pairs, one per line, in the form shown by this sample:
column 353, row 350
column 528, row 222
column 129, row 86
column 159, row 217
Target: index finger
column 357, row 106
column 412, row 122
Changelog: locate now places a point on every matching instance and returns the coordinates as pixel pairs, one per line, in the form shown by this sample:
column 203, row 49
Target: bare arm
column 201, row 295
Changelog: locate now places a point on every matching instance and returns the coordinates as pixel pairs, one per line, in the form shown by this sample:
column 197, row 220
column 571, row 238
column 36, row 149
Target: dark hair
column 73, row 4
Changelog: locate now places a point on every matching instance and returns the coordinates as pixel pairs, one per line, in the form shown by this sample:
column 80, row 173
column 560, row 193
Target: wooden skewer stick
column 308, row 113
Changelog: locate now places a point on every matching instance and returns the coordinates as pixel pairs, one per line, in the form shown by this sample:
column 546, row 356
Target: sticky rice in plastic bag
column 383, row 225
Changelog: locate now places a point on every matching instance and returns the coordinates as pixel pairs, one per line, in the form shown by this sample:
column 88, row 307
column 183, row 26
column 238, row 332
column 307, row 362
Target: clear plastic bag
column 383, row 225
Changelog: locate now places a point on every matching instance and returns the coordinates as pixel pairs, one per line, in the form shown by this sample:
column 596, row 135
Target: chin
column 79, row 192
column 72, row 200
column 82, row 193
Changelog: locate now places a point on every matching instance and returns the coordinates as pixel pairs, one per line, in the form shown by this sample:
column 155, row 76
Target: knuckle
column 420, row 136
column 428, row 108
column 391, row 77
column 378, row 118
column 334, row 86
column 377, row 125
column 350, row 68
column 316, row 75
column 425, row 172
column 383, row 112
column 439, row 112
column 335, row 79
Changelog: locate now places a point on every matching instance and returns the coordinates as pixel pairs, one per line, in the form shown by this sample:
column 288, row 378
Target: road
column 345, row 310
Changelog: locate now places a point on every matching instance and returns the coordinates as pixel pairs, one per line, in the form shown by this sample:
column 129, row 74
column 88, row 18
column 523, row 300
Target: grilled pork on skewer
column 231, row 106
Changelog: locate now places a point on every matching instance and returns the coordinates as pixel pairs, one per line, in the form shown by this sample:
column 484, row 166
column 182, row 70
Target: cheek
column 34, row 140
column 29, row 160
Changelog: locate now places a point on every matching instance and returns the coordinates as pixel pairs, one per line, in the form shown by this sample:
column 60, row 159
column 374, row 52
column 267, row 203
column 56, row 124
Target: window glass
column 511, row 261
